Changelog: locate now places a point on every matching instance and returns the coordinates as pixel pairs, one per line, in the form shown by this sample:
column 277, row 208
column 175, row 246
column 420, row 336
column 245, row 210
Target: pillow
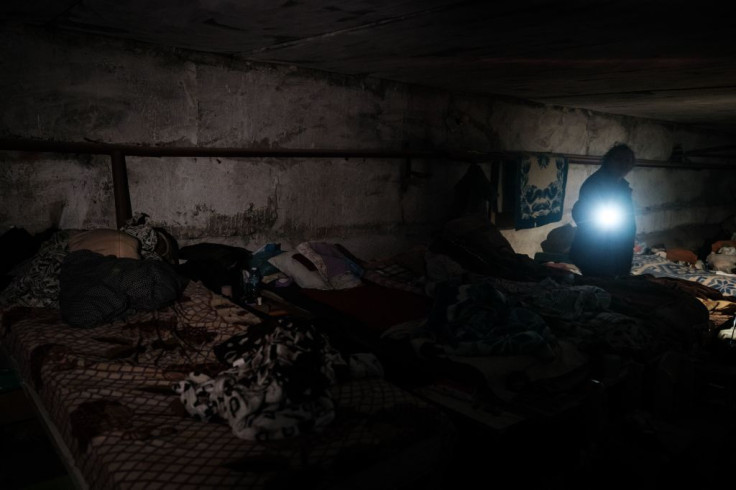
column 105, row 242
column 305, row 262
column 292, row 267
column 260, row 258
column 336, row 269
column 681, row 255
column 716, row 246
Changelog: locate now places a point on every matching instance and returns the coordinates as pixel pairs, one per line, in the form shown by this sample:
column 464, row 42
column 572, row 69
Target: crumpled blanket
column 494, row 316
column 478, row 319
column 96, row 289
column 585, row 314
column 278, row 386
column 556, row 299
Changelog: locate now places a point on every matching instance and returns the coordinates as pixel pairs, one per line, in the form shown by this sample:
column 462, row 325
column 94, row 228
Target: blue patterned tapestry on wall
column 541, row 189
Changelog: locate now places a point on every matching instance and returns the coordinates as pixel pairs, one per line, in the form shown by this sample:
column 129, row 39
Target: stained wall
column 64, row 87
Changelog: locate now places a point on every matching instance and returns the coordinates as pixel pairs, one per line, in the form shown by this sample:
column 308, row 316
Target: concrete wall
column 73, row 88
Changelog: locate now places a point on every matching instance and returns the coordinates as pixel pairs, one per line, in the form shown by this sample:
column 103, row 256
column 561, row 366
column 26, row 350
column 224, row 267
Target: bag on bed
column 219, row 267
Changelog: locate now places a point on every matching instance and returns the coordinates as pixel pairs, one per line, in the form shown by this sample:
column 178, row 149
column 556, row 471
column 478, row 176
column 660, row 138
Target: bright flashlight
column 609, row 216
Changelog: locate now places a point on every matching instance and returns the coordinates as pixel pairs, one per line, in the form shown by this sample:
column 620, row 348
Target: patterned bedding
column 109, row 392
column 659, row 266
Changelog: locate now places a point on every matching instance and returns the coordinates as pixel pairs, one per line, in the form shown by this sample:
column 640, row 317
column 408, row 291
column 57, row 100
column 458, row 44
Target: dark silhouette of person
column 604, row 214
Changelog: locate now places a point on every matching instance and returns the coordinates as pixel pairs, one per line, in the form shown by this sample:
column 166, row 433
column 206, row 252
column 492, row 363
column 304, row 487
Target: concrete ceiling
column 665, row 60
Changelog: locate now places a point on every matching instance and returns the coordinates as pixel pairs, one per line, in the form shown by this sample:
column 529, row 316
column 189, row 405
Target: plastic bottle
column 253, row 286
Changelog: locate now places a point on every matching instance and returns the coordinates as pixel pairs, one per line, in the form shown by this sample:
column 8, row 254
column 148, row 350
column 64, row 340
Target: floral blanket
column 659, row 266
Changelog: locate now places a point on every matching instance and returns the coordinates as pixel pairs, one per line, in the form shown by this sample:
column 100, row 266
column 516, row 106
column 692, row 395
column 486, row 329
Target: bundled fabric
column 155, row 243
column 37, row 285
column 95, row 289
column 278, row 385
column 493, row 316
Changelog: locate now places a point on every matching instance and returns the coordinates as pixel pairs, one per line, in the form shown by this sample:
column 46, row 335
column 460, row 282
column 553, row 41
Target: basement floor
column 28, row 458
column 580, row 449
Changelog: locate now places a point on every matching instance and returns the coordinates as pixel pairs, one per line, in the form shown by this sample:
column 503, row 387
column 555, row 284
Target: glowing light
column 609, row 216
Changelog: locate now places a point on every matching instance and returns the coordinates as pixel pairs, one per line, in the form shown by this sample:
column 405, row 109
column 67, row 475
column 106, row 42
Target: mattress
column 107, row 393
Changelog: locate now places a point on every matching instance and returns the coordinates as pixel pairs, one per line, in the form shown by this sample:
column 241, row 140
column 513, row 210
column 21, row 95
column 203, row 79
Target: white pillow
column 106, row 242
column 722, row 262
column 286, row 263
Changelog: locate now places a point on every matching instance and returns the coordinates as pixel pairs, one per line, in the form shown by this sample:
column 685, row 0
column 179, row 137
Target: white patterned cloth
column 278, row 386
column 542, row 181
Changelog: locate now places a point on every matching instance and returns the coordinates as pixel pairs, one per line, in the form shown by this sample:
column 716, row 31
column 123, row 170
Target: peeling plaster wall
column 77, row 88
column 663, row 198
column 68, row 193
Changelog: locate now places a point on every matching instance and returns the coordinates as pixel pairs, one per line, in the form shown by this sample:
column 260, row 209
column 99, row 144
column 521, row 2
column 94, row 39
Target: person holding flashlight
column 604, row 214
